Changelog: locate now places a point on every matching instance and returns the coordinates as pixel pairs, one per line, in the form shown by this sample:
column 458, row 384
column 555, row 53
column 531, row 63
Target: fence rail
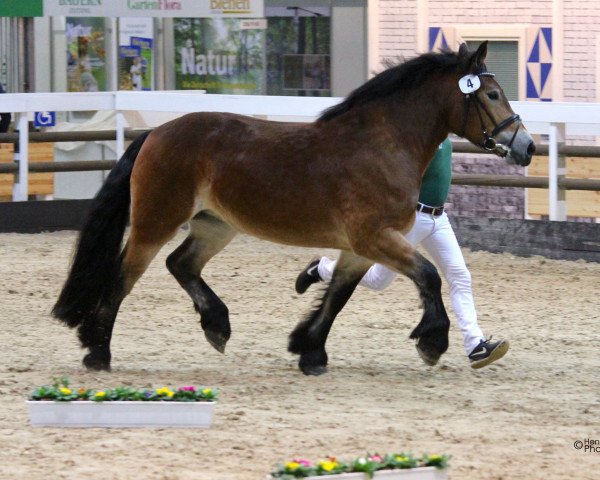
column 88, row 136
column 524, row 182
column 111, row 135
column 553, row 119
column 61, row 167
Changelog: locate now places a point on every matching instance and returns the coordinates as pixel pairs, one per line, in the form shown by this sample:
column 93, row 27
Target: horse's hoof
column 92, row 362
column 429, row 355
column 216, row 339
column 313, row 370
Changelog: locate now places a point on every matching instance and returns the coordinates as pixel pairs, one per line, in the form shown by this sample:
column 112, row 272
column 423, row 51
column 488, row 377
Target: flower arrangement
column 369, row 464
column 60, row 391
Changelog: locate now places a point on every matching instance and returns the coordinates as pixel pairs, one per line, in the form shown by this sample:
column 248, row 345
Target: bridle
column 489, row 142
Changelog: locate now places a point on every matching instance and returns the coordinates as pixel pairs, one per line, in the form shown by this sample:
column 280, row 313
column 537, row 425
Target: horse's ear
column 478, row 57
column 463, row 50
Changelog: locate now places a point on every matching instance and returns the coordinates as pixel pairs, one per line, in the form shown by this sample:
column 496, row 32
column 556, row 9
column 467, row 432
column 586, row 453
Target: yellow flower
column 293, row 466
column 208, row 391
column 328, row 466
column 65, row 391
column 165, row 391
column 100, row 394
column 434, row 458
column 400, row 458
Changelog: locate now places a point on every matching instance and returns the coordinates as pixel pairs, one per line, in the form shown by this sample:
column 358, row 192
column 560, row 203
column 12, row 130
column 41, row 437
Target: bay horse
column 349, row 181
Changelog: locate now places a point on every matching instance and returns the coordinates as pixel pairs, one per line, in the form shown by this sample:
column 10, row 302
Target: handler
column 432, row 229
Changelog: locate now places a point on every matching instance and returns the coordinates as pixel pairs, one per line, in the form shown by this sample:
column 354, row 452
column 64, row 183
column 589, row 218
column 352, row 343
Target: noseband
column 489, row 142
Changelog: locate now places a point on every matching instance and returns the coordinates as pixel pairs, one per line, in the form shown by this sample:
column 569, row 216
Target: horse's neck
column 420, row 125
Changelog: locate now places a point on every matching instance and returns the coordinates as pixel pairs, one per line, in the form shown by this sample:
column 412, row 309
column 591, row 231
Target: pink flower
column 304, row 463
column 189, row 388
column 375, row 458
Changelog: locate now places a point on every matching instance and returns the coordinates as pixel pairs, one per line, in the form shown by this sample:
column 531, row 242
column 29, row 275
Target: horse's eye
column 493, row 95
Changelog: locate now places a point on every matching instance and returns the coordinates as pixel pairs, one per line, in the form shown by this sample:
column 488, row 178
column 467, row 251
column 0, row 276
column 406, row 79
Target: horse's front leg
column 390, row 248
column 309, row 337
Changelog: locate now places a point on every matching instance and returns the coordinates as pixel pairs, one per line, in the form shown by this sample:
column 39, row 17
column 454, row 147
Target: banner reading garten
column 155, row 8
column 217, row 55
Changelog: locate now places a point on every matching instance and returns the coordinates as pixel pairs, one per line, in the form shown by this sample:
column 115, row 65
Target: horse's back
column 292, row 183
column 257, row 175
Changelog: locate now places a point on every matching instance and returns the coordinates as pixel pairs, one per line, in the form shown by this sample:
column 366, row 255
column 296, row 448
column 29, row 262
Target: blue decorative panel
column 437, row 39
column 539, row 64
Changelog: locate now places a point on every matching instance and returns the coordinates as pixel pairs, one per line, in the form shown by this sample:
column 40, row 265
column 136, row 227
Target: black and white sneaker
column 487, row 352
column 308, row 276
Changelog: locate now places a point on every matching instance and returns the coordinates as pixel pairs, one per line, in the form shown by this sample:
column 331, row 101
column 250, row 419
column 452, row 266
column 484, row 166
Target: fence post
column 557, row 203
column 21, row 157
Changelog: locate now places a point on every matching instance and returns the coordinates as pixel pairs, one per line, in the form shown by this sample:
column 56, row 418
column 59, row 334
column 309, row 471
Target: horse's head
column 482, row 113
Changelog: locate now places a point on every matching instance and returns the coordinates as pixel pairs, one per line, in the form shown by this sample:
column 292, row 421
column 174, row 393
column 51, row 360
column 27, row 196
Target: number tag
column 469, row 83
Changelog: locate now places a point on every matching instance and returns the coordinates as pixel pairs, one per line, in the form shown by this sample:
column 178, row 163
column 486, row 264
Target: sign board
column 136, row 53
column 21, row 8
column 44, row 119
column 155, row 8
column 254, row 24
column 86, row 54
column 207, row 56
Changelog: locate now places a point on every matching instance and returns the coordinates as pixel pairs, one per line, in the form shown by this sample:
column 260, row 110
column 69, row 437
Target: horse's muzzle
column 522, row 149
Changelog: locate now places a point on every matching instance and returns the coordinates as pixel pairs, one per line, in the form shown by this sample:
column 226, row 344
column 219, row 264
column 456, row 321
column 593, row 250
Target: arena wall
column 556, row 240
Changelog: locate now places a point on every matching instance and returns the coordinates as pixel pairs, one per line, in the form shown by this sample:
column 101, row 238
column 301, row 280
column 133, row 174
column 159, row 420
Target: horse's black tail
column 96, row 266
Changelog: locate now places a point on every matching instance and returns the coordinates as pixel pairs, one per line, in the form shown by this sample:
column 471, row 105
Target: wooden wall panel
column 39, row 183
column 579, row 203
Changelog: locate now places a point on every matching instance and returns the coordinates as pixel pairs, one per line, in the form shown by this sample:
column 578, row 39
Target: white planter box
column 423, row 473
column 120, row 414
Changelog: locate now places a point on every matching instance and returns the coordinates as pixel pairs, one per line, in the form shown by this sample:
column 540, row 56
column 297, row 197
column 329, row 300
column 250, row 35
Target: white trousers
column 436, row 236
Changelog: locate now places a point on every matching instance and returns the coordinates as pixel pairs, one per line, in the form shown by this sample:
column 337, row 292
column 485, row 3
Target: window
column 503, row 60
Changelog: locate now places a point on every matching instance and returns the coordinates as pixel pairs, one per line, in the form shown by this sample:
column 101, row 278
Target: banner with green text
column 219, row 56
column 154, row 8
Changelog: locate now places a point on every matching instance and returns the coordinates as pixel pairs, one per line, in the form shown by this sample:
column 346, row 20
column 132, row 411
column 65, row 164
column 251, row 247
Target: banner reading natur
column 216, row 55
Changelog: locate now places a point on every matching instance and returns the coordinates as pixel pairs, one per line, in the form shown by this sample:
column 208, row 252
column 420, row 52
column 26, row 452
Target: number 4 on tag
column 469, row 83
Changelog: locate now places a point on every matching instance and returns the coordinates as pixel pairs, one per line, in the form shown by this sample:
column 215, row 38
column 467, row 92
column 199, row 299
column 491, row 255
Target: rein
column 489, row 142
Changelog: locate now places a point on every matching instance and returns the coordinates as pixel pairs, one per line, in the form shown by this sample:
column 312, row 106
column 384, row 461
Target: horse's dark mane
column 396, row 78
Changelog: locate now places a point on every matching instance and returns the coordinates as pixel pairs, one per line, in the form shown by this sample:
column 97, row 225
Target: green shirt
column 437, row 177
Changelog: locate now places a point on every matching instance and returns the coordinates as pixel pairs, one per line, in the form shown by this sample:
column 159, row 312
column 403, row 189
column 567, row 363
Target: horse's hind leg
column 96, row 332
column 208, row 236
column 309, row 337
column 393, row 250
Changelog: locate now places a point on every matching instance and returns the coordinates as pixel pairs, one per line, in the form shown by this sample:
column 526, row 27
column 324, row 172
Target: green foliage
column 61, row 392
column 402, row 460
column 439, row 461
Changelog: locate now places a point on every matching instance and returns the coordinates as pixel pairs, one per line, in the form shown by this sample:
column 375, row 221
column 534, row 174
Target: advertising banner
column 217, row 55
column 298, row 51
column 86, row 55
column 155, row 8
column 136, row 53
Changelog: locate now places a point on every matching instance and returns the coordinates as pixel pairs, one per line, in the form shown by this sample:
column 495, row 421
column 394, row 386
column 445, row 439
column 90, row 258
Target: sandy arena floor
column 516, row 419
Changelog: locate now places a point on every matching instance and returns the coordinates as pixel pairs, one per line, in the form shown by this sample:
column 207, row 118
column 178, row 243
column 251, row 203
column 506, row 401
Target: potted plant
column 59, row 405
column 395, row 466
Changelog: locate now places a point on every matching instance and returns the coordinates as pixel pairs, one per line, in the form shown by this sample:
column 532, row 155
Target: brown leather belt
column 435, row 211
